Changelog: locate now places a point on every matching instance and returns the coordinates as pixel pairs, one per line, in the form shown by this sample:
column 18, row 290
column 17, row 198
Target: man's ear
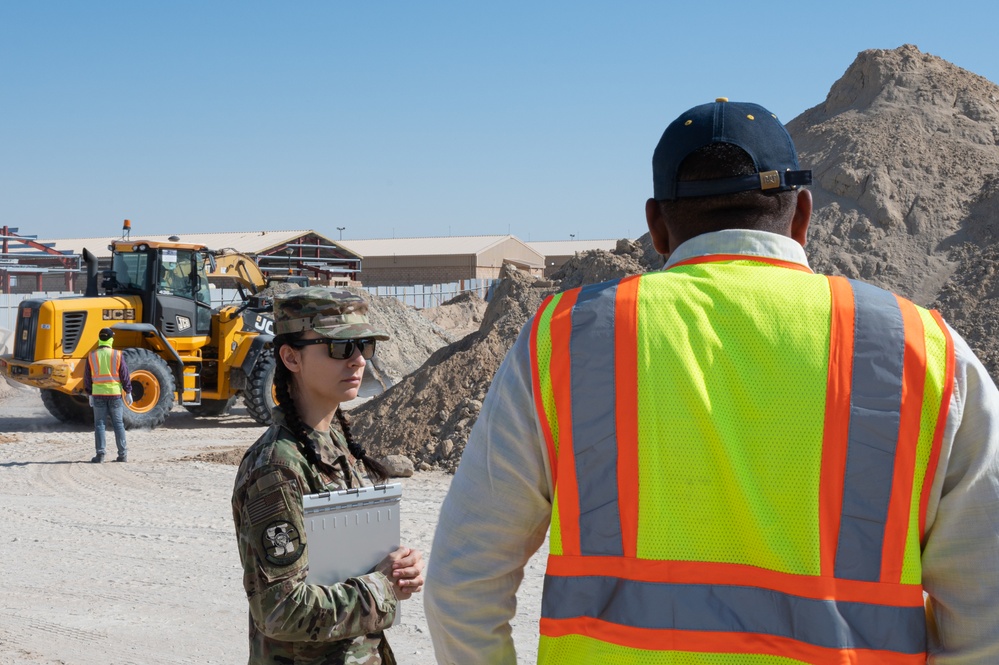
column 657, row 227
column 802, row 216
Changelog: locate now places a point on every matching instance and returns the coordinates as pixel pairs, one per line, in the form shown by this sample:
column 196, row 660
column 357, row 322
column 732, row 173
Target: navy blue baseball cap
column 748, row 126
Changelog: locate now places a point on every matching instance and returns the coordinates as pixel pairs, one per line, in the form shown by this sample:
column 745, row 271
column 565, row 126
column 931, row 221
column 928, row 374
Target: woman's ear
column 291, row 357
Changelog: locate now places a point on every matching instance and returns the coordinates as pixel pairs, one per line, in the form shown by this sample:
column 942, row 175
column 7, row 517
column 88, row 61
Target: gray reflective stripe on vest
column 702, row 607
column 875, row 402
column 594, row 426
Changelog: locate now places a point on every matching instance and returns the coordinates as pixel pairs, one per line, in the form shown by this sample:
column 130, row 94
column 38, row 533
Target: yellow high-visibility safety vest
column 742, row 453
column 105, row 363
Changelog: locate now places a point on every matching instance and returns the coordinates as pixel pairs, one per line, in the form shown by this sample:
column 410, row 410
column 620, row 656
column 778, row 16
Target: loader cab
column 170, row 279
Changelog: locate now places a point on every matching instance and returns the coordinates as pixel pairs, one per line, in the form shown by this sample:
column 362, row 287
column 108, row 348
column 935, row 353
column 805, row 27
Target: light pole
column 340, row 229
column 572, row 236
column 289, row 251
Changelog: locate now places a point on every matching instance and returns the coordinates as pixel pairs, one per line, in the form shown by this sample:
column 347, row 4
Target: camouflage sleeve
column 273, row 549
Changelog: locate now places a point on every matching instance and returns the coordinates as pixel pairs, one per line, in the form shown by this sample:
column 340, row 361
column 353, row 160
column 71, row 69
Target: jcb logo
column 118, row 314
column 264, row 325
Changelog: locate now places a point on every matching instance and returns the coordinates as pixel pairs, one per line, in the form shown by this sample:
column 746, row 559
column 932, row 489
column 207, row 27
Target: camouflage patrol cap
column 333, row 314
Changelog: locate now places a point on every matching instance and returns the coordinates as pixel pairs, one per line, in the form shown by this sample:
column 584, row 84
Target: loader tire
column 68, row 408
column 153, row 389
column 259, row 397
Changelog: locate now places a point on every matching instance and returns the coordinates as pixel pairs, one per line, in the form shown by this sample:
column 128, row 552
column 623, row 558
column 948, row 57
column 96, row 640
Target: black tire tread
column 68, row 408
column 145, row 359
column 258, row 397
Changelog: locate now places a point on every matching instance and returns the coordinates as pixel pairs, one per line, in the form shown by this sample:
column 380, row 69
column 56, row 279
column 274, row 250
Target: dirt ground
column 136, row 563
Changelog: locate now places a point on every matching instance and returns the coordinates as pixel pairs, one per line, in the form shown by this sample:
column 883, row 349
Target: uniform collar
column 740, row 241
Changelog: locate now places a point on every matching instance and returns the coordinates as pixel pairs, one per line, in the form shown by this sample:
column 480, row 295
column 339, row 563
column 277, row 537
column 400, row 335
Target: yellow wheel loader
column 179, row 350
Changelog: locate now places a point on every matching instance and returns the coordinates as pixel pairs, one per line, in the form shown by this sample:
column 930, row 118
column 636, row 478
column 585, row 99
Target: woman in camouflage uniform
column 322, row 343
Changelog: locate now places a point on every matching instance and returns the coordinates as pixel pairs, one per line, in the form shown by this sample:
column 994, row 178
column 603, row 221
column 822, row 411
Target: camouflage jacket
column 292, row 622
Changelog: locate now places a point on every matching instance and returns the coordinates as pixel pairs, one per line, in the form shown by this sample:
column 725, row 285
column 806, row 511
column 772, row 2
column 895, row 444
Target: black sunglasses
column 341, row 349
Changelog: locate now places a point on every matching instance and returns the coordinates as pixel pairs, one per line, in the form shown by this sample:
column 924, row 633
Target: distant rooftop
column 247, row 242
column 444, row 245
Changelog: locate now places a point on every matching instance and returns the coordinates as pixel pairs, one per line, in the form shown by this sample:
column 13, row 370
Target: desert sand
column 136, row 563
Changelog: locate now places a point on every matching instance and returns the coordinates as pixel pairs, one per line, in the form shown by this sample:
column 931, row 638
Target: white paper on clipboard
column 348, row 532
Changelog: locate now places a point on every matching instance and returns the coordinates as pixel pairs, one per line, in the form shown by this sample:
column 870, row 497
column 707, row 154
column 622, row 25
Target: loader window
column 175, row 272
column 130, row 270
column 204, row 293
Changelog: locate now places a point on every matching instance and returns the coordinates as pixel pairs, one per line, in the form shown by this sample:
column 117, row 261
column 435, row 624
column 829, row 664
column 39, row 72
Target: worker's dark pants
column 114, row 407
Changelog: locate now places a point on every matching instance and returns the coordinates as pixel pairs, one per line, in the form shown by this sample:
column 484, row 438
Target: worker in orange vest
column 106, row 381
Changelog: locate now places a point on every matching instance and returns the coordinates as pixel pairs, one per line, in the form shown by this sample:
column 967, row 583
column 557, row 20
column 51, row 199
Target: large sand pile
column 906, row 173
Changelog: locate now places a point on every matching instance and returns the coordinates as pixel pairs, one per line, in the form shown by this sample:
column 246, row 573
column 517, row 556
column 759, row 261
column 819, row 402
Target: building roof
column 246, row 242
column 259, row 242
column 434, row 246
column 570, row 247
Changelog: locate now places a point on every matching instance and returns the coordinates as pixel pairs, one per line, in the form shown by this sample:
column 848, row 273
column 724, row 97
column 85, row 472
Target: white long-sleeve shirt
column 498, row 509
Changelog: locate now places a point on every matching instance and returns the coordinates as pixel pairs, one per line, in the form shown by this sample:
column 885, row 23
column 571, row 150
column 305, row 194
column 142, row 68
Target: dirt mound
column 597, row 265
column 428, row 415
column 459, row 316
column 231, row 456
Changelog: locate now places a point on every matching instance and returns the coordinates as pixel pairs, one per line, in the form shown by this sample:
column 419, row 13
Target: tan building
column 407, row 261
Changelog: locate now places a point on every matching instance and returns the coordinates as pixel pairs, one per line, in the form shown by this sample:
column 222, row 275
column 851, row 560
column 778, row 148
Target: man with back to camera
column 106, row 380
column 736, row 457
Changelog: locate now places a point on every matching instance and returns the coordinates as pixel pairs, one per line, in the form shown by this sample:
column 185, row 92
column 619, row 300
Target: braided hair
column 374, row 467
column 282, row 389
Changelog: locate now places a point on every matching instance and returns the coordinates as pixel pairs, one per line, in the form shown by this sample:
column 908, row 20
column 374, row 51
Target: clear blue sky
column 401, row 119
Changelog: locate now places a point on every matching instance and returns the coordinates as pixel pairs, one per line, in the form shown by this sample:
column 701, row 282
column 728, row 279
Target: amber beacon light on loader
column 179, row 349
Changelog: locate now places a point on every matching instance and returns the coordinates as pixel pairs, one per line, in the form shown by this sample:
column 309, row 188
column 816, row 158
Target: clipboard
column 348, row 532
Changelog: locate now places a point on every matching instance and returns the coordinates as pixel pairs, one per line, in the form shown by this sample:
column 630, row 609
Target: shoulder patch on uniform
column 282, row 543
column 265, row 507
